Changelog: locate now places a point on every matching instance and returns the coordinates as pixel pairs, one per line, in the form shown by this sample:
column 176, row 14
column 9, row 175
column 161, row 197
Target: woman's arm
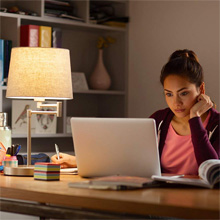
column 203, row 148
column 65, row 160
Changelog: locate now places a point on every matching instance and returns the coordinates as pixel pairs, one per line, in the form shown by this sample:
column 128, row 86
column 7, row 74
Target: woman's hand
column 65, row 160
column 203, row 105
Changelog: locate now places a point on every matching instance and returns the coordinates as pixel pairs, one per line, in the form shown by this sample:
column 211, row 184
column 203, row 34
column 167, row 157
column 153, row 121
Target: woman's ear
column 202, row 88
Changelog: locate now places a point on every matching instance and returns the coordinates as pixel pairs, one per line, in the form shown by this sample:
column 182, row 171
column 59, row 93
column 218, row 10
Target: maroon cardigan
column 205, row 140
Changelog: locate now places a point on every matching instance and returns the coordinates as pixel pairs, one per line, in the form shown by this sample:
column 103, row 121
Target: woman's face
column 180, row 95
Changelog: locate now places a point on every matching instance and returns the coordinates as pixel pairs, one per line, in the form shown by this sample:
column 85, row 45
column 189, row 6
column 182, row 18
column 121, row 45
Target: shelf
column 98, row 92
column 3, row 87
column 81, row 40
column 105, row 27
column 112, row 1
column 41, row 135
column 61, row 21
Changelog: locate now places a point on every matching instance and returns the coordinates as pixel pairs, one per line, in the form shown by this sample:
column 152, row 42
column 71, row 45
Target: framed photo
column 40, row 124
column 19, row 116
column 46, row 124
column 79, row 81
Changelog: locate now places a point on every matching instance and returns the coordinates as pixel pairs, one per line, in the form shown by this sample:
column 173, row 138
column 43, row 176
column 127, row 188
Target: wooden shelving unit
column 81, row 39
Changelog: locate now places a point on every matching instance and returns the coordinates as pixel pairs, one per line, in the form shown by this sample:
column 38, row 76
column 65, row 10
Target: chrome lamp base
column 22, row 170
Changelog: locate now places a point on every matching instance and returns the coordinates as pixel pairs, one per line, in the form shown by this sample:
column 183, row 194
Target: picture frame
column 40, row 124
column 46, row 124
column 19, row 116
column 79, row 81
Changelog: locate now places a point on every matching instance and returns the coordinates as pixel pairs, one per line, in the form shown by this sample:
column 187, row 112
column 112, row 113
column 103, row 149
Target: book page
column 185, row 181
column 214, row 176
column 206, row 168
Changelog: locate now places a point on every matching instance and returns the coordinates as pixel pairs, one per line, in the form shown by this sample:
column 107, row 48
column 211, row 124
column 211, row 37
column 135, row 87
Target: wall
column 157, row 28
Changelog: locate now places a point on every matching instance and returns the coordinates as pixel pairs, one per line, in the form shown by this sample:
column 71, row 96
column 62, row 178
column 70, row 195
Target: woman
column 188, row 130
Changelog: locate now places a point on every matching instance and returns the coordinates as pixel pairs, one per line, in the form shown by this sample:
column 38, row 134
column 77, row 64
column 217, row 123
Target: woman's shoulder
column 161, row 114
column 215, row 116
column 215, row 112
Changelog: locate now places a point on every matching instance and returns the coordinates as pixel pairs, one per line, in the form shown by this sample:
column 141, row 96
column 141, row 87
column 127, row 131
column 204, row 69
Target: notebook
column 115, row 146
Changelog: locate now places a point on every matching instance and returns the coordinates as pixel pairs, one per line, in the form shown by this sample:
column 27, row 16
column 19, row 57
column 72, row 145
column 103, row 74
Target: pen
column 17, row 150
column 57, row 151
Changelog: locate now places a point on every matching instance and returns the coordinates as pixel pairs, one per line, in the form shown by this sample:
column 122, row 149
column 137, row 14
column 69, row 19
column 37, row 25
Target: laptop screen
column 115, row 146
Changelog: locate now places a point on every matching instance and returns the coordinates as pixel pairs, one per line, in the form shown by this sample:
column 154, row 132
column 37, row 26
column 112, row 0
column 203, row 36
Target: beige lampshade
column 39, row 73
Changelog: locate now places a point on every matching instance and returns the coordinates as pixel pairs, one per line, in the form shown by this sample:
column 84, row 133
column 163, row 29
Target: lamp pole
column 58, row 113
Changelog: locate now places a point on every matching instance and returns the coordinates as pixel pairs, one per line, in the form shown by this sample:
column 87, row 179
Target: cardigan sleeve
column 203, row 148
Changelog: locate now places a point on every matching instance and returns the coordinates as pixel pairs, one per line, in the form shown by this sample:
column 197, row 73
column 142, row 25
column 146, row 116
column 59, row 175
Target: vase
column 100, row 78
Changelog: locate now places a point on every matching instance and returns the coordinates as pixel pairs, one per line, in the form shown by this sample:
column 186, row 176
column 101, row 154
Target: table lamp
column 38, row 73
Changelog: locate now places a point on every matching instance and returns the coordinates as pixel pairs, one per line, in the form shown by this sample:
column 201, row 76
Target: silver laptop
column 115, row 146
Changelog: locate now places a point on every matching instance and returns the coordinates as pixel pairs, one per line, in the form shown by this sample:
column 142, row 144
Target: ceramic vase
column 100, row 78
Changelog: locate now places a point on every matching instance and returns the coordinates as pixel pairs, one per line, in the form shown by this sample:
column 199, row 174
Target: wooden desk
column 41, row 196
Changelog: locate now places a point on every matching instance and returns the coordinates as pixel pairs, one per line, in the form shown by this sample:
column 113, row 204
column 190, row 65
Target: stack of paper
column 46, row 171
column 71, row 171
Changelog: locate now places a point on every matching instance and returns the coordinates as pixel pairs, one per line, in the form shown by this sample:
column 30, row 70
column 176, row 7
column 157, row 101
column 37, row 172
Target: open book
column 209, row 173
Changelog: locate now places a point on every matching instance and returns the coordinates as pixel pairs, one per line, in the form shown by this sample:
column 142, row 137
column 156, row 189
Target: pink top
column 178, row 154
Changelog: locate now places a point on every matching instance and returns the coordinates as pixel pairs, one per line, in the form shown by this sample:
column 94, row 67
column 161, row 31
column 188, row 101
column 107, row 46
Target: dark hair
column 184, row 63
